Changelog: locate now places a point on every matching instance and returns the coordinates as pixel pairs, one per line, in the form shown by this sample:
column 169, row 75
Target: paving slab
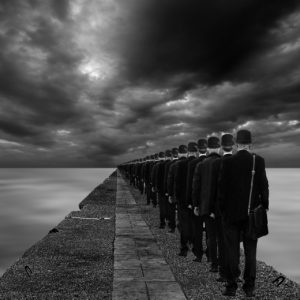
column 165, row 290
column 140, row 270
column 130, row 290
column 128, row 275
column 127, row 264
column 162, row 273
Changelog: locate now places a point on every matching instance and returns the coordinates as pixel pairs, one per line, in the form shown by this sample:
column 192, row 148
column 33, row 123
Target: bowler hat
column 168, row 153
column 161, row 154
column 202, row 144
column 174, row 151
column 182, row 149
column 243, row 136
column 227, row 140
column 213, row 142
column 192, row 147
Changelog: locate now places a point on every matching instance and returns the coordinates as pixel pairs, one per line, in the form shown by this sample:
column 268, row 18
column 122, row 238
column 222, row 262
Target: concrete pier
column 140, row 270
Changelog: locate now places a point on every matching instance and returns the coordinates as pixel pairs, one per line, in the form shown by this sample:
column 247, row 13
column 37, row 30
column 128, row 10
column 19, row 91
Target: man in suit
column 234, row 187
column 184, row 211
column 139, row 175
column 204, row 187
column 227, row 148
column 159, row 186
column 182, row 155
column 197, row 221
column 152, row 170
column 147, row 179
column 169, row 187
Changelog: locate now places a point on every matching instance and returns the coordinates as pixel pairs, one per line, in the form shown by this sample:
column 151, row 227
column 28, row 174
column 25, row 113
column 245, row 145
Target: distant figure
column 169, row 188
column 204, row 192
column 186, row 154
column 197, row 221
column 152, row 171
column 164, row 157
column 227, row 148
column 147, row 179
column 234, row 187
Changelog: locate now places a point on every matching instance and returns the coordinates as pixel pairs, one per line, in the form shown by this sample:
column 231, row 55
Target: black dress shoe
column 198, row 259
column 249, row 293
column 221, row 279
column 214, row 269
column 182, row 253
column 229, row 292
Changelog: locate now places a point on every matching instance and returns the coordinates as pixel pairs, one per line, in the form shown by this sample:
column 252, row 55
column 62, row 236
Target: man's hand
column 190, row 206
column 212, row 215
column 170, row 200
column 196, row 211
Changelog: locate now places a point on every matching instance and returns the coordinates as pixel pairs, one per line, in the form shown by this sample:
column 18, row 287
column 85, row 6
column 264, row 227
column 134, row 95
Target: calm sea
column 35, row 200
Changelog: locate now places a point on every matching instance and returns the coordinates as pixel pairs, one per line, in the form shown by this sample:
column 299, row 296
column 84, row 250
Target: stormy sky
column 98, row 82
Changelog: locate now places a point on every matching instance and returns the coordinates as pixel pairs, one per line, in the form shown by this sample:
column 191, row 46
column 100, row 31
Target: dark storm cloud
column 11, row 127
column 237, row 55
column 95, row 83
column 210, row 39
column 37, row 71
column 60, row 8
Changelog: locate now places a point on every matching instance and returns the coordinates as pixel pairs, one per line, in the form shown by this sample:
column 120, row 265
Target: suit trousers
column 185, row 225
column 141, row 186
column 171, row 214
column 211, row 230
column 153, row 196
column 148, row 193
column 162, row 209
column 197, row 235
column 221, row 246
column 232, row 235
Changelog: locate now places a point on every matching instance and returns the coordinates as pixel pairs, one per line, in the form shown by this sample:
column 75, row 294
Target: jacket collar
column 214, row 154
column 243, row 152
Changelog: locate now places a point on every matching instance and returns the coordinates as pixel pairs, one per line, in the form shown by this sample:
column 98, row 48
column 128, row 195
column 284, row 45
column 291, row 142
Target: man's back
column 235, row 181
column 180, row 180
column 204, row 186
column 190, row 174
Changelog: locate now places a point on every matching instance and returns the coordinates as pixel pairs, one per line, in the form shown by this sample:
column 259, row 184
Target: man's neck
column 227, row 153
column 192, row 154
column 244, row 149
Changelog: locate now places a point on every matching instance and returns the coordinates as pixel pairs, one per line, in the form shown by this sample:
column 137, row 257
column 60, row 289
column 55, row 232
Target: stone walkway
column 140, row 270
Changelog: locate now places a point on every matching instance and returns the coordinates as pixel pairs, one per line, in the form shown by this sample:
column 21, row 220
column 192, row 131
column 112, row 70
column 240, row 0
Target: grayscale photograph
column 150, row 149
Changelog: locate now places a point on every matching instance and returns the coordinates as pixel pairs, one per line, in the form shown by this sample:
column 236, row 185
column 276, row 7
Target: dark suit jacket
column 180, row 181
column 171, row 177
column 204, row 185
column 160, row 176
column 139, row 170
column 235, row 180
column 153, row 173
column 147, row 173
column 167, row 174
column 190, row 174
column 216, row 166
